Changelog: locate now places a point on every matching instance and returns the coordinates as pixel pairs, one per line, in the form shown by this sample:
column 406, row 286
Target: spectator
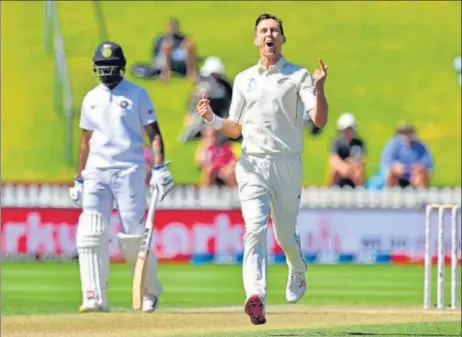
column 219, row 91
column 173, row 51
column 458, row 69
column 406, row 160
column 346, row 162
column 216, row 160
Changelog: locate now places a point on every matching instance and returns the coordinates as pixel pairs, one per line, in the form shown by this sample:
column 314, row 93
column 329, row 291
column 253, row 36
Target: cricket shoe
column 255, row 308
column 296, row 287
column 85, row 308
column 150, row 303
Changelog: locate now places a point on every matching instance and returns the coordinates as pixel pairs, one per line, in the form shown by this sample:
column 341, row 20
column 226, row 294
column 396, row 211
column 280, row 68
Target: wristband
column 216, row 122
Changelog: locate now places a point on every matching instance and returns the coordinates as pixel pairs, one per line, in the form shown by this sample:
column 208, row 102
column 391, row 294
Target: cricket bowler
column 267, row 108
column 113, row 117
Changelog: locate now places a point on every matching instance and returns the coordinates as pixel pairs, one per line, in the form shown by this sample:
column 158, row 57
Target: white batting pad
column 129, row 245
column 93, row 248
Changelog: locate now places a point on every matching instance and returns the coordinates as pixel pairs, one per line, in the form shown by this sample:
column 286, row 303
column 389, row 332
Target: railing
column 190, row 197
column 54, row 43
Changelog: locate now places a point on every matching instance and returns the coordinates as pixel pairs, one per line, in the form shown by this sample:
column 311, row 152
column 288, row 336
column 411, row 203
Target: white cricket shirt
column 270, row 105
column 117, row 118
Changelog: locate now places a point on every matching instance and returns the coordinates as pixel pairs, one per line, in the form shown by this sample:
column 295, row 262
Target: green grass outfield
column 335, row 292
column 32, row 288
column 388, row 61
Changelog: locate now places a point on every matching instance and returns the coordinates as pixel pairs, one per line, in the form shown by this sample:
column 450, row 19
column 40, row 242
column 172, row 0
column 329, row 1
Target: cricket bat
column 139, row 273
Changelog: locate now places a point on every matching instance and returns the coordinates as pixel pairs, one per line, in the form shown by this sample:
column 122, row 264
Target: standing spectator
column 216, row 160
column 174, row 51
column 406, row 160
column 347, row 162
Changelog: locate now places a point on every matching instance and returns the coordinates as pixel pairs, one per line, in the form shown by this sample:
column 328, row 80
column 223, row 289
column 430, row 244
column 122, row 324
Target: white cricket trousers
column 269, row 183
column 124, row 186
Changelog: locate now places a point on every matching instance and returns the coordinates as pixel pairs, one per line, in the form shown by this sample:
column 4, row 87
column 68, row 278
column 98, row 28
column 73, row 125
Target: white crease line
column 208, row 290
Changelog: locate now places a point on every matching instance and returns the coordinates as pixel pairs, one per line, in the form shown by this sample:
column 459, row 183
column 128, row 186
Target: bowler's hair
column 266, row 16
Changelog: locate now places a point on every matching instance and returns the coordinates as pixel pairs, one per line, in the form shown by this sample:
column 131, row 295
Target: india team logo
column 107, row 51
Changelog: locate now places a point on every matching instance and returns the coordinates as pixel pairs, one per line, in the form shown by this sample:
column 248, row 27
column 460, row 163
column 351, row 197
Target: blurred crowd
column 405, row 160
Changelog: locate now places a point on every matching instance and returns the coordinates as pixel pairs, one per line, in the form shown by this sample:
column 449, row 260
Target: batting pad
column 129, row 245
column 93, row 248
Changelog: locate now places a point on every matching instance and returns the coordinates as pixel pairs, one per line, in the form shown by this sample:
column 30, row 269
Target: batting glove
column 162, row 179
column 76, row 191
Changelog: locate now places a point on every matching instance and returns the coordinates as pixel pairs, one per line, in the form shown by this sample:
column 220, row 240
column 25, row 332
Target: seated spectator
column 218, row 90
column 458, row 69
column 173, row 51
column 406, row 160
column 216, row 160
column 346, row 162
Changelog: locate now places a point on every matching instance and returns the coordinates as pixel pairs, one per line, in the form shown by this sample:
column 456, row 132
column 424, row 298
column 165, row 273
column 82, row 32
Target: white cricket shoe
column 296, row 287
column 150, row 303
column 85, row 308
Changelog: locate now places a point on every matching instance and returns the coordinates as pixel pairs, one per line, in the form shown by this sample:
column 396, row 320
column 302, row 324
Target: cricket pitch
column 187, row 322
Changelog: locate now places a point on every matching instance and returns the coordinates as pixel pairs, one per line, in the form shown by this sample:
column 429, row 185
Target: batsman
column 114, row 116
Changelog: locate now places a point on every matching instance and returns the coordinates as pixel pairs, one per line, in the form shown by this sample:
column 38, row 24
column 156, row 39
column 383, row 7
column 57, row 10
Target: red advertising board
column 178, row 234
column 326, row 236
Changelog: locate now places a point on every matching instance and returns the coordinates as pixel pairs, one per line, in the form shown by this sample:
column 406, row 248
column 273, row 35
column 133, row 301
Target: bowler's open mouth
column 269, row 43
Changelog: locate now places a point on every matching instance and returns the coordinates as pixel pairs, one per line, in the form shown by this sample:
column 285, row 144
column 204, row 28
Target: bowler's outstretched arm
column 319, row 113
column 313, row 95
column 230, row 126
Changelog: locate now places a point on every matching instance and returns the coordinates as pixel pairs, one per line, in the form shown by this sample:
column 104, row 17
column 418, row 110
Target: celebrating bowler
column 267, row 108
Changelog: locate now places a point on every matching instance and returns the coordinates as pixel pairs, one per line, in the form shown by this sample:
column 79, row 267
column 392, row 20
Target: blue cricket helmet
column 110, row 52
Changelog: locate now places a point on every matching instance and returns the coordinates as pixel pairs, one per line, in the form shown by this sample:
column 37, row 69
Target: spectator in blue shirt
column 406, row 160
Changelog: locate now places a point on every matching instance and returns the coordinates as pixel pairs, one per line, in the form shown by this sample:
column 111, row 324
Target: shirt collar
column 119, row 86
column 278, row 65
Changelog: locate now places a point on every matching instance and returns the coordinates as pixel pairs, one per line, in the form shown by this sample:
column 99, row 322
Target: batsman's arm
column 84, row 151
column 156, row 141
column 87, row 127
column 151, row 127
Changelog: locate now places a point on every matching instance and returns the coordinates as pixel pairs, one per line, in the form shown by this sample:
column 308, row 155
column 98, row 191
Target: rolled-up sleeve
column 307, row 92
column 237, row 105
